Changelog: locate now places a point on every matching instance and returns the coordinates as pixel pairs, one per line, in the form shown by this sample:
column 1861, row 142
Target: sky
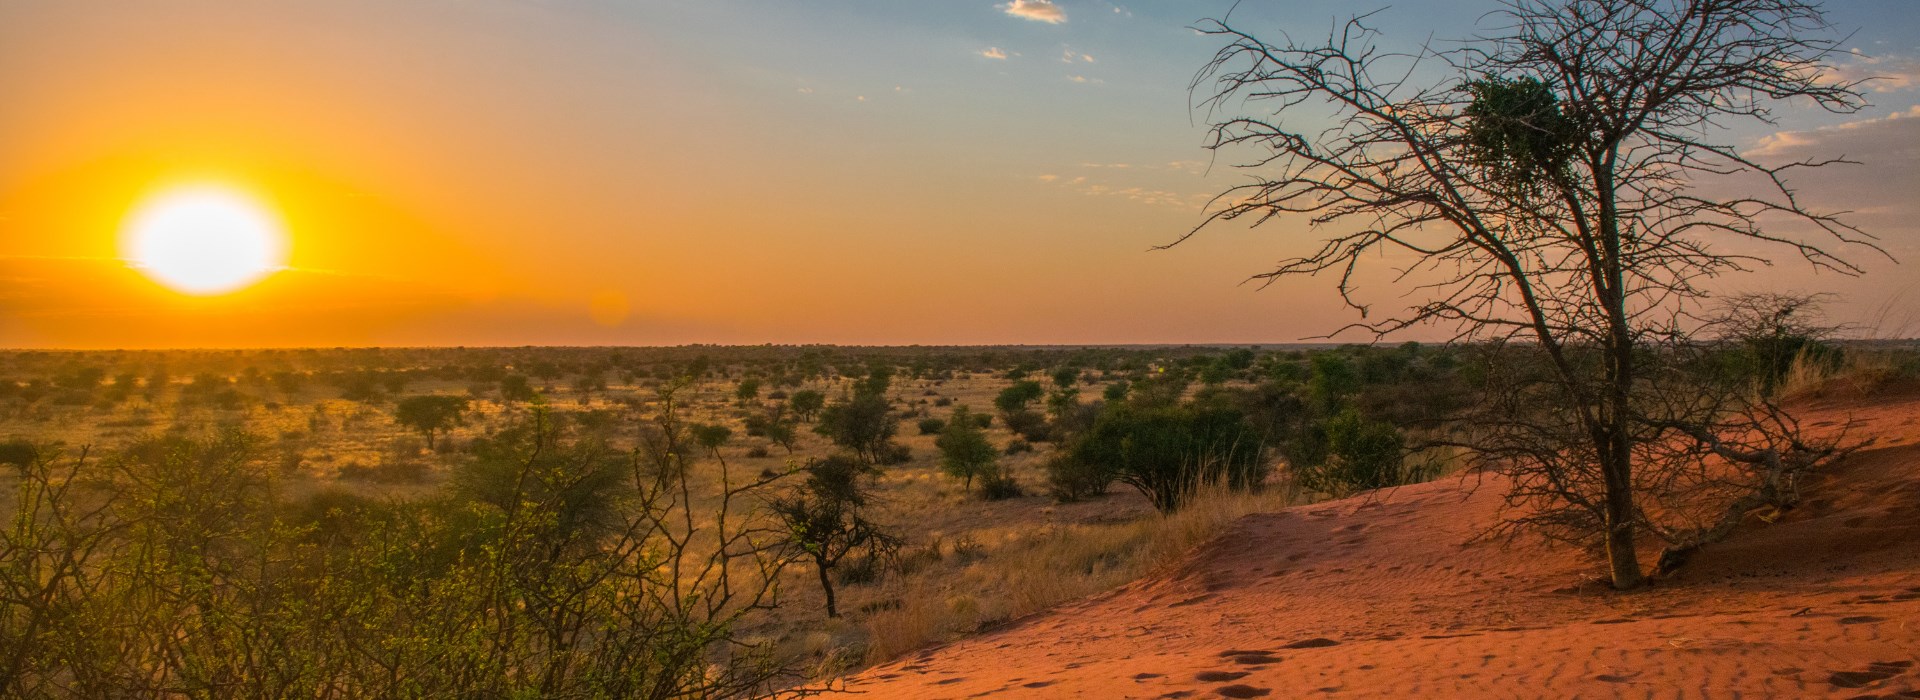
column 572, row 172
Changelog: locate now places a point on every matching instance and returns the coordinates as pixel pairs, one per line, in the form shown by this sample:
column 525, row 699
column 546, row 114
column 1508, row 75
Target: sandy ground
column 1385, row 596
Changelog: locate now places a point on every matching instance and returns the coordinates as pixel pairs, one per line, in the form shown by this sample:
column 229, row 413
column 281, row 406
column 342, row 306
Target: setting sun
column 204, row 240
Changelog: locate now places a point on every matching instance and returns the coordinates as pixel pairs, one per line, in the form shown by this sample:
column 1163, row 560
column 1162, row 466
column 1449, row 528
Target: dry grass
column 963, row 592
column 1863, row 373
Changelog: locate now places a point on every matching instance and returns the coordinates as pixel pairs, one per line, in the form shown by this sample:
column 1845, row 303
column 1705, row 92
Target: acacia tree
column 1558, row 185
column 826, row 519
column 431, row 414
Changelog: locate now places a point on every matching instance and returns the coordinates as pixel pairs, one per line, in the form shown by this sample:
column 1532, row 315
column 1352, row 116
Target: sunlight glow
column 203, row 240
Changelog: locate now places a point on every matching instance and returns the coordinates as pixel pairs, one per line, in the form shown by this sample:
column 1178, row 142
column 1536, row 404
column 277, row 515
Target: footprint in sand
column 1037, row 684
column 1315, row 643
column 1219, row 676
column 1250, row 657
column 1861, row 619
column 1242, row 691
column 1875, row 672
column 1145, row 676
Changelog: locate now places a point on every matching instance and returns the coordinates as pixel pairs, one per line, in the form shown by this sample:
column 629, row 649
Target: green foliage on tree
column 1016, row 397
column 826, row 519
column 431, row 414
column 516, row 388
column 965, row 452
column 806, row 403
column 1169, row 451
column 863, row 423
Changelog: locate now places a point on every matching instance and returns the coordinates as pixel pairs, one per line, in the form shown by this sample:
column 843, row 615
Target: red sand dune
column 1384, row 596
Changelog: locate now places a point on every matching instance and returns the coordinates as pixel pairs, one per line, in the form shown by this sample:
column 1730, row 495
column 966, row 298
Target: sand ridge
column 1393, row 595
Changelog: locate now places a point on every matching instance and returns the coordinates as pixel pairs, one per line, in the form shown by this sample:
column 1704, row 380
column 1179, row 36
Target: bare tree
column 1557, row 186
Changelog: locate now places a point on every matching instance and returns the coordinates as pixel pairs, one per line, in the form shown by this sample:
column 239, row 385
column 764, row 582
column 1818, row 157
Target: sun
column 204, row 239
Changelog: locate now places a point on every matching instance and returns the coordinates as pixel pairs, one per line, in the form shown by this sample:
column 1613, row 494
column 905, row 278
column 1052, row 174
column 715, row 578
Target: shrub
column 1070, row 479
column 999, row 487
column 862, row 423
column 18, row 453
column 1015, row 398
column 1167, row 452
column 931, row 426
column 1350, row 453
column 757, row 452
column 964, row 450
column 1018, row 446
column 895, row 453
column 1029, row 425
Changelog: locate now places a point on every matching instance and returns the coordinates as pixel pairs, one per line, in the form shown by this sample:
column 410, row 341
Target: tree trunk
column 1616, row 448
column 826, row 586
column 1621, row 557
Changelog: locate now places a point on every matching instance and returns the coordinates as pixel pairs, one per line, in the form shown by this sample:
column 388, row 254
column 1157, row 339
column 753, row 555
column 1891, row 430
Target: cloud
column 994, row 52
column 1069, row 56
column 1086, row 80
column 1878, row 74
column 1785, row 143
column 1036, row 10
column 1878, row 191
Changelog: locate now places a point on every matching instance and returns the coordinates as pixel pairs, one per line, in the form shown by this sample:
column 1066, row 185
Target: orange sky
column 499, row 172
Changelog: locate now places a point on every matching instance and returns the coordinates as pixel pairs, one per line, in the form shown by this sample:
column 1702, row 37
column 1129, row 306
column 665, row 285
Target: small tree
column 431, row 414
column 516, row 387
column 712, row 437
column 1015, row 398
column 826, row 521
column 862, row 422
column 964, row 450
column 747, row 391
column 806, row 403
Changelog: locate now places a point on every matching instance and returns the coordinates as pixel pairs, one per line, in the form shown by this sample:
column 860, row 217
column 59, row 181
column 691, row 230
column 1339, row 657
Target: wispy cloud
column 1102, row 184
column 1086, row 80
column 1071, row 56
column 1878, row 73
column 994, row 52
column 1036, row 10
column 1783, row 142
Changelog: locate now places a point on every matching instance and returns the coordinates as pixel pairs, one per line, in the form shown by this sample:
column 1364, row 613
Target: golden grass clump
column 1052, row 565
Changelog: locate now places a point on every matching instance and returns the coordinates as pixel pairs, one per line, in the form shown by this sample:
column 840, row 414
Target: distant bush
column 757, row 452
column 895, row 453
column 931, row 426
column 1029, row 425
column 18, row 453
column 1018, row 446
column 999, row 487
column 1070, row 479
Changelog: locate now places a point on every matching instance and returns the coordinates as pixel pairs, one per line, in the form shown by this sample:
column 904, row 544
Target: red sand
column 1383, row 596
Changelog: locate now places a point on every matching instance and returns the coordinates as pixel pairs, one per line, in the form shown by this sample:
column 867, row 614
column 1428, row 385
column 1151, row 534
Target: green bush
column 1169, row 451
column 1070, row 479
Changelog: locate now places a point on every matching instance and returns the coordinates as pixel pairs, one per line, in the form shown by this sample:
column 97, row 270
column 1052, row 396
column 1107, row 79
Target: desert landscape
column 611, row 349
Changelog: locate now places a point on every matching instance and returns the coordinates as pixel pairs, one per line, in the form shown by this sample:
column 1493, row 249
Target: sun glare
column 203, row 240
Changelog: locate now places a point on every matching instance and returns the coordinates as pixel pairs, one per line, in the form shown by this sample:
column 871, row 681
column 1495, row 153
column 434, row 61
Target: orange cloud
column 1036, row 10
